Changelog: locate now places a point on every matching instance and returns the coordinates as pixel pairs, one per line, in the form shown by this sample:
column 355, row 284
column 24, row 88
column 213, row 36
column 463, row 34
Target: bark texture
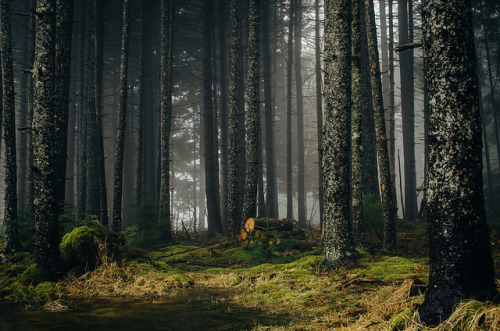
column 319, row 108
column 211, row 180
column 64, row 32
column 235, row 108
column 271, row 186
column 164, row 221
column 356, row 129
column 289, row 72
column 121, row 117
column 9, row 124
column 461, row 265
column 338, row 243
column 46, row 222
column 252, row 112
column 386, row 187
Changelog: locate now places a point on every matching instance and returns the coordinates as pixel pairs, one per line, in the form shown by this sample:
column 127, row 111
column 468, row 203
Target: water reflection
column 195, row 309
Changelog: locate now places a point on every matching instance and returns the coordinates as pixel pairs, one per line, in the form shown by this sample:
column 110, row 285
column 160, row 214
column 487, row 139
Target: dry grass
column 109, row 279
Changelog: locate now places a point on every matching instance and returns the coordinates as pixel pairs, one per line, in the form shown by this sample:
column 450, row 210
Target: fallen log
column 268, row 224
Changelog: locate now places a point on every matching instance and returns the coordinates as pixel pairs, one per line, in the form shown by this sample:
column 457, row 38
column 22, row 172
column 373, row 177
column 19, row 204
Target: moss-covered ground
column 380, row 292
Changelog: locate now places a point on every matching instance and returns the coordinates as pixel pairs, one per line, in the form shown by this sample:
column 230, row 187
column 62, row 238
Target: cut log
column 269, row 224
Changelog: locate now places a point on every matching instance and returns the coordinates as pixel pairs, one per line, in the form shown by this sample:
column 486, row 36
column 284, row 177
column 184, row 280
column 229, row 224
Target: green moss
column 33, row 275
column 398, row 323
column 43, row 291
column 81, row 247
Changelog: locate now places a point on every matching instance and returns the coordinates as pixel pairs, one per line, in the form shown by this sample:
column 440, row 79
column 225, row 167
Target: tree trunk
column 272, row 191
column 98, row 73
column 211, row 187
column 338, row 243
column 12, row 243
column 386, row 187
column 301, row 195
column 289, row 164
column 461, row 265
column 64, row 33
column 139, row 172
column 121, row 118
column 356, row 129
column 223, row 111
column 46, row 222
column 252, row 111
column 392, row 109
column 235, row 107
column 319, row 109
column 407, row 111
column 164, row 220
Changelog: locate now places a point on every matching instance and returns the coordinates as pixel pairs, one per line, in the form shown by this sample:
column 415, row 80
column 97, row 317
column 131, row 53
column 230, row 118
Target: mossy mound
column 88, row 244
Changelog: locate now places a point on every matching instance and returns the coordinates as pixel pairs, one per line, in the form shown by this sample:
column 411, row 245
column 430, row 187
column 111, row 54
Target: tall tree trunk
column 392, row 108
column 223, row 111
column 46, row 222
column 211, row 187
column 461, row 264
column 338, row 243
column 319, row 108
column 386, row 187
column 289, row 164
column 98, row 72
column 252, row 111
column 164, row 220
column 30, row 178
column 121, row 117
column 408, row 112
column 356, row 129
column 236, row 108
column 272, row 191
column 139, row 183
column 301, row 196
column 9, row 124
column 64, row 33
column 384, row 48
column 370, row 185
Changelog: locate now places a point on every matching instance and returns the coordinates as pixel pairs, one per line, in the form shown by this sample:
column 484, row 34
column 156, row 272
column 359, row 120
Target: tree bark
column 252, row 111
column 12, row 243
column 164, row 220
column 46, row 222
column 461, row 264
column 271, row 187
column 386, row 187
column 301, row 195
column 121, row 117
column 338, row 242
column 319, row 109
column 356, row 129
column 289, row 96
column 64, row 33
column 211, row 187
column 235, row 107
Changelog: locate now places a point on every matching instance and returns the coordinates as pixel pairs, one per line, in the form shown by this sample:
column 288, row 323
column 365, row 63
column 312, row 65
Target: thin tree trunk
column 223, row 111
column 386, row 187
column 236, row 108
column 289, row 164
column 139, row 184
column 252, row 112
column 272, row 191
column 356, row 129
column 319, row 109
column 407, row 110
column 164, row 220
column 121, row 117
column 392, row 108
column 98, row 72
column 30, row 179
column 211, row 187
column 11, row 227
column 301, row 196
column 64, row 33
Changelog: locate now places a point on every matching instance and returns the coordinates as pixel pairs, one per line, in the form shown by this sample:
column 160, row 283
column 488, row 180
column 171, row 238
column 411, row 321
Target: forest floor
column 379, row 292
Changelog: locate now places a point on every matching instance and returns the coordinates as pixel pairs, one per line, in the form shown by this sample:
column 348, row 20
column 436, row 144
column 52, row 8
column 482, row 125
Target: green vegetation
column 382, row 291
